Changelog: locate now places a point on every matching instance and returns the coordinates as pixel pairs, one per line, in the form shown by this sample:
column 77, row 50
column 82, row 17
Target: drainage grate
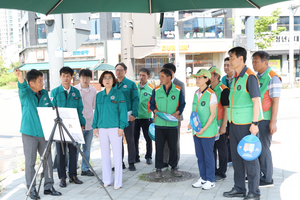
column 167, row 177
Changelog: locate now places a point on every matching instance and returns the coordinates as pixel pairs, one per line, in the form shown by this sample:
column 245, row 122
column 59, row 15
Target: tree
column 6, row 77
column 263, row 36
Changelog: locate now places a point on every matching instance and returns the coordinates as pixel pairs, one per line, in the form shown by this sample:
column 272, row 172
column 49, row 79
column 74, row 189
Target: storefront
column 194, row 55
column 87, row 56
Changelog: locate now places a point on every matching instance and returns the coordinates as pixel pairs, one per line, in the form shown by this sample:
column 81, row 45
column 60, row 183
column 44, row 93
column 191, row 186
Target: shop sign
column 81, row 52
column 274, row 64
column 172, row 47
column 40, row 54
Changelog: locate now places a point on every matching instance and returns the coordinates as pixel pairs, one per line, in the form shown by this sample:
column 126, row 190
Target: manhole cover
column 167, row 177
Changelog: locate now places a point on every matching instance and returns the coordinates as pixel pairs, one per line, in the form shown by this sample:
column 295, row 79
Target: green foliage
column 231, row 21
column 263, row 36
column 4, row 76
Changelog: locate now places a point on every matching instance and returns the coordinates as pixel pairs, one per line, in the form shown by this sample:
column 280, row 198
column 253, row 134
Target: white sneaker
column 199, row 183
column 208, row 185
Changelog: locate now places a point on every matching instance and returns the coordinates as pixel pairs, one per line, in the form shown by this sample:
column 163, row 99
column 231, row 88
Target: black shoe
column 137, row 160
column 124, row 167
column 158, row 174
column 149, row 161
column 263, row 184
column 165, row 165
column 52, row 192
column 63, row 183
column 75, row 180
column 246, row 179
column 252, row 197
column 87, row 173
column 34, row 194
column 219, row 178
column 132, row 167
column 233, row 193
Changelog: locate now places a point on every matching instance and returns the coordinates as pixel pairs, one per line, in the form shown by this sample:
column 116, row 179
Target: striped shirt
column 274, row 85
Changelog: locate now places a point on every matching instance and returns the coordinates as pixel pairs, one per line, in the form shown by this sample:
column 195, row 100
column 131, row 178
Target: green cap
column 201, row 73
column 215, row 70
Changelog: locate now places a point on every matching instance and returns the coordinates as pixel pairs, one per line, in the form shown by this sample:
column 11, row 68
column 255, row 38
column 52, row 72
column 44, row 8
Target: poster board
column 69, row 118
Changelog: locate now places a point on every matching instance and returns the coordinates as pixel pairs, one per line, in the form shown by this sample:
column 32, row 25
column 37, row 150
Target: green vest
column 144, row 94
column 167, row 104
column 201, row 106
column 220, row 109
column 265, row 97
column 240, row 110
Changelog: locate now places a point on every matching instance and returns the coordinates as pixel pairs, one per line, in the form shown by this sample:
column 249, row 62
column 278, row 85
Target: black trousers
column 166, row 149
column 144, row 123
column 161, row 136
column 61, row 160
column 129, row 135
column 228, row 143
column 221, row 147
column 241, row 166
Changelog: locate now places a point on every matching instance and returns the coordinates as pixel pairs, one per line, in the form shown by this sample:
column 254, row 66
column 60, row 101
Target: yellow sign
column 172, row 47
column 275, row 64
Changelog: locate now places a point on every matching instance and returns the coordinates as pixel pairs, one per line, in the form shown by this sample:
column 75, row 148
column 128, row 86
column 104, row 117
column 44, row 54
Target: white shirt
column 68, row 89
column 213, row 97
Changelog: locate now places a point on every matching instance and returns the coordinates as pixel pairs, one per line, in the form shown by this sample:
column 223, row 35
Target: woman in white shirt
column 205, row 104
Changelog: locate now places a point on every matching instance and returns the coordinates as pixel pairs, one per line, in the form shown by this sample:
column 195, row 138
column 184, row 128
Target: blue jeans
column 88, row 137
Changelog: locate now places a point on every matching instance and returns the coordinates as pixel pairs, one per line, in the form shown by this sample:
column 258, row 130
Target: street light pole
column 293, row 10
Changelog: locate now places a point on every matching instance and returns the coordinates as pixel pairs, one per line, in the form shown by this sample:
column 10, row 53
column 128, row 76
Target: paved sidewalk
column 286, row 178
column 285, row 150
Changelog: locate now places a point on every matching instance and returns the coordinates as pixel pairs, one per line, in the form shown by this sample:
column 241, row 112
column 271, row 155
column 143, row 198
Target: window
column 297, row 23
column 116, row 28
column 203, row 28
column 195, row 62
column 153, row 63
column 283, row 22
column 167, row 30
column 42, row 33
column 96, row 75
column 95, row 29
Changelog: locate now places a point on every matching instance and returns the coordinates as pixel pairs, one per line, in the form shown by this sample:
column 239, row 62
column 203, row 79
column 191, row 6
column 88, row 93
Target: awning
column 104, row 66
column 45, row 66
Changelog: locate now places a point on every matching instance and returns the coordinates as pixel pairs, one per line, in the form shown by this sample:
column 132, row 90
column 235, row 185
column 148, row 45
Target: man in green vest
column 129, row 89
column 227, row 80
column 167, row 98
column 270, row 88
column 144, row 118
column 222, row 93
column 32, row 95
column 244, row 113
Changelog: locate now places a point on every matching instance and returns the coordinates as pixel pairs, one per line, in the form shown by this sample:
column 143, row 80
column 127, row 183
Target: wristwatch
column 255, row 123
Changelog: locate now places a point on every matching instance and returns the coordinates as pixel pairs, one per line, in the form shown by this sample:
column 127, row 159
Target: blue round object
column 151, row 131
column 195, row 121
column 249, row 148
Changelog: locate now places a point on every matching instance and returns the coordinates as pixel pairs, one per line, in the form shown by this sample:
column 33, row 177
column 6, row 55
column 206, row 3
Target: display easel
column 44, row 157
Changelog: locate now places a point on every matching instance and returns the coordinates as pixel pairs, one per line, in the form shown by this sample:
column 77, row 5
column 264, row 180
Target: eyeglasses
column 119, row 70
column 107, row 78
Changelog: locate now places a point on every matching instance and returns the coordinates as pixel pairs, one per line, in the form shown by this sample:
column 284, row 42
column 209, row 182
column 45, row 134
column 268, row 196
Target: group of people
column 239, row 104
column 229, row 108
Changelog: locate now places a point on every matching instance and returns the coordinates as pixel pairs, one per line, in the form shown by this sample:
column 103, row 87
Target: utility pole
column 126, row 43
column 55, row 52
column 293, row 10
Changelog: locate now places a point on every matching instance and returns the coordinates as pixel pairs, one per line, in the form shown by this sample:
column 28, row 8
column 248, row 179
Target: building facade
column 10, row 35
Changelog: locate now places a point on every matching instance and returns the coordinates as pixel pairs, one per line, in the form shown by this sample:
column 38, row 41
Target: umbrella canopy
column 132, row 6
column 104, row 66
